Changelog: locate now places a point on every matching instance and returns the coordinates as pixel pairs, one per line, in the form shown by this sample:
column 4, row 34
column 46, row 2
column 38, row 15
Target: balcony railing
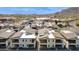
column 72, row 41
column 43, row 41
column 58, row 41
column 15, row 41
column 2, row 40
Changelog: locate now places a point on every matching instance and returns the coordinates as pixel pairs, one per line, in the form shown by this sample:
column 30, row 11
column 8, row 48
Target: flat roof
column 8, row 30
column 51, row 31
column 27, row 36
column 51, row 35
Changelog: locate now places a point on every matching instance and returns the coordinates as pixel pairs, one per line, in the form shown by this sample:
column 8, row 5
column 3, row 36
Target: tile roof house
column 5, row 37
column 23, row 39
column 70, row 37
column 58, row 39
column 46, row 39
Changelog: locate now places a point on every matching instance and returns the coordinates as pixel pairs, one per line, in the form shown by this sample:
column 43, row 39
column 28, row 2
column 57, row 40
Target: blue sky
column 30, row 10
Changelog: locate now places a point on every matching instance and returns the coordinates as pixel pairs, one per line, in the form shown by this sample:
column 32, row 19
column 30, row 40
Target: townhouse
column 46, row 40
column 23, row 39
column 27, row 40
column 70, row 37
column 59, row 40
column 14, row 40
column 5, row 37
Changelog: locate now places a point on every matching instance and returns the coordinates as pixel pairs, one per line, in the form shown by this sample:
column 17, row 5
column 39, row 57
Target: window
column 32, row 40
column 23, row 40
column 58, row 46
column 30, row 45
column 16, row 45
column 72, row 46
column 48, row 45
column 52, row 40
column 21, row 45
column 52, row 45
column 78, row 45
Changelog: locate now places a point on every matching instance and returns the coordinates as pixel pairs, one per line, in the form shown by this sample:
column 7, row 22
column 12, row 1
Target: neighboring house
column 46, row 40
column 39, row 24
column 47, row 24
column 27, row 40
column 59, row 41
column 4, row 38
column 62, row 23
column 14, row 40
column 23, row 39
column 2, row 26
column 72, row 24
column 11, row 25
column 70, row 37
column 33, row 25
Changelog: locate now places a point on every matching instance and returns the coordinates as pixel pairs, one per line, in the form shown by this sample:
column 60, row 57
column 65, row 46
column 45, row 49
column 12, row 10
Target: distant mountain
column 72, row 12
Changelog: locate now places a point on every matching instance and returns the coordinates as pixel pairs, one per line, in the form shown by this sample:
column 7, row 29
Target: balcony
column 43, row 41
column 2, row 40
column 16, row 46
column 58, row 46
column 31, row 46
column 43, row 46
column 30, row 41
column 58, row 41
column 2, row 45
column 72, row 41
column 72, row 46
column 15, row 41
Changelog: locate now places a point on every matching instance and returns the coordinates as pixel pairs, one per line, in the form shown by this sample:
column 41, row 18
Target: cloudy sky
column 30, row 10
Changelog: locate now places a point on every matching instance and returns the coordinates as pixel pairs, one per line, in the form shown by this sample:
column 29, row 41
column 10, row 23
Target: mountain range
column 72, row 12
